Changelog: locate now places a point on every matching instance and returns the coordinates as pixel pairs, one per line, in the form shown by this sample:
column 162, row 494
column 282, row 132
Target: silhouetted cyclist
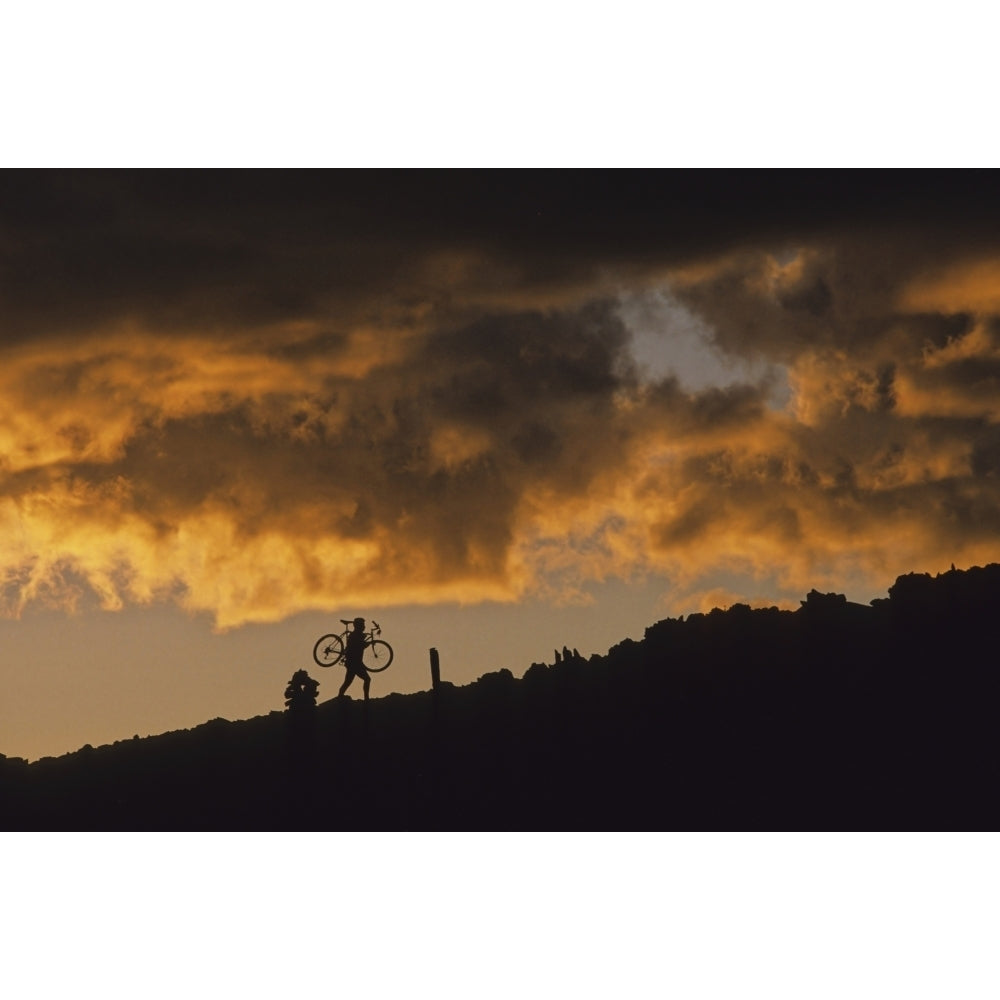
column 354, row 658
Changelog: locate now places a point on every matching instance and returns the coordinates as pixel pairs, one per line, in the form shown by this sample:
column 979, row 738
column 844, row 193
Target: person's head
column 359, row 623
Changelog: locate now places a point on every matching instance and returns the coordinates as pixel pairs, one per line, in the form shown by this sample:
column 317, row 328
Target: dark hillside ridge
column 835, row 716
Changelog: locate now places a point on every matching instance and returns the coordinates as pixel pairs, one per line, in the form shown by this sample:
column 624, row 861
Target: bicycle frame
column 330, row 648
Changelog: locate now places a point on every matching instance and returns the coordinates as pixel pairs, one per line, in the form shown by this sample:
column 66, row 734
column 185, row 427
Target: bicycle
column 329, row 649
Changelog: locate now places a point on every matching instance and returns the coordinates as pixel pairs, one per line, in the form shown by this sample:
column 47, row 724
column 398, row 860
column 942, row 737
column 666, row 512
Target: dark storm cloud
column 439, row 444
column 886, row 453
column 842, row 292
column 420, row 464
column 276, row 391
column 79, row 249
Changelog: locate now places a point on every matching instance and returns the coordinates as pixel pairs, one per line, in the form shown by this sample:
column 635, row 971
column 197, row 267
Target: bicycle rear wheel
column 378, row 655
column 328, row 650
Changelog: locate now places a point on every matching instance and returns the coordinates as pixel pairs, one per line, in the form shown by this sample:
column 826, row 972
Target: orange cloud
column 969, row 286
column 434, row 450
column 721, row 597
column 260, row 497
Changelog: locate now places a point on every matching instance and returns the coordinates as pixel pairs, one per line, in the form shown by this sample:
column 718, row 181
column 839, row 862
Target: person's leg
column 366, row 678
column 346, row 684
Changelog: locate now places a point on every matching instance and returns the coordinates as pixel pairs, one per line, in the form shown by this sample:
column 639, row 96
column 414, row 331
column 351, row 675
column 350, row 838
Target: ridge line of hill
column 834, row 713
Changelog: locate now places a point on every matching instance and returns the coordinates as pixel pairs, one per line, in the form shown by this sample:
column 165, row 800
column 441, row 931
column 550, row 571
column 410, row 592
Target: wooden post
column 435, row 670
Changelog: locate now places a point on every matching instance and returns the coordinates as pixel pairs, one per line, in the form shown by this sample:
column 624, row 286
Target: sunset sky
column 499, row 412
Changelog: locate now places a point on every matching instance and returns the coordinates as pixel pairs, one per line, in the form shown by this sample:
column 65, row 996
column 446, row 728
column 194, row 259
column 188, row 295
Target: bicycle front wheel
column 378, row 655
column 328, row 650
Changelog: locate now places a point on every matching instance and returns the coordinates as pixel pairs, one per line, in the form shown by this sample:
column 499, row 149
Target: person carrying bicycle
column 354, row 653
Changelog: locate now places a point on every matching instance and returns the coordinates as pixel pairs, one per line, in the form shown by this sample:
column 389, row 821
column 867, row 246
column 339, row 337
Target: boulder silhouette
column 301, row 692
